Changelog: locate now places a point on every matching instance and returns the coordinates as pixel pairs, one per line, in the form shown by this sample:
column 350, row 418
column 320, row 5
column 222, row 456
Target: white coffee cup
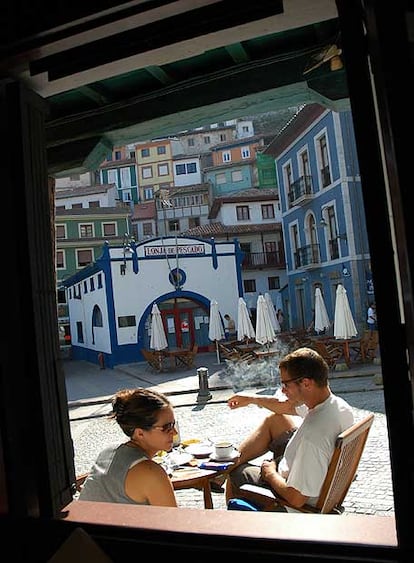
column 223, row 449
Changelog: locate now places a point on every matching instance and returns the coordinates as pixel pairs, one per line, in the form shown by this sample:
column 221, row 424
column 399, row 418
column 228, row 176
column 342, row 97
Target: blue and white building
column 110, row 301
column 323, row 214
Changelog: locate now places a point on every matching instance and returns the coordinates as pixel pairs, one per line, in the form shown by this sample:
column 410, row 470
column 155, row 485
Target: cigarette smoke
column 245, row 375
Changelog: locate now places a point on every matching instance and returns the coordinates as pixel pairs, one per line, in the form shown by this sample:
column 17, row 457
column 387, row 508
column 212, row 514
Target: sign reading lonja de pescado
column 174, row 250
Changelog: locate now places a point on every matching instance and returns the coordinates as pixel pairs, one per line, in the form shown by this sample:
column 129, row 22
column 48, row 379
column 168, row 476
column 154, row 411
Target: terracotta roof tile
column 218, row 229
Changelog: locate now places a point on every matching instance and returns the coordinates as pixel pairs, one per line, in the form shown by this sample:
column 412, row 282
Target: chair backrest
column 148, row 354
column 343, row 465
column 151, row 357
column 329, row 352
column 341, row 472
column 226, row 352
column 371, row 344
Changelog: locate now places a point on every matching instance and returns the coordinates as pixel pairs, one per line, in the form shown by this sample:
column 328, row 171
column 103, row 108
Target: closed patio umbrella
column 215, row 329
column 158, row 340
column 245, row 327
column 344, row 325
column 272, row 313
column 265, row 332
column 322, row 321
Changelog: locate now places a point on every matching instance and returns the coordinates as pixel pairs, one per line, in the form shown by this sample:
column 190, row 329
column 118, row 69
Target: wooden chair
column 367, row 347
column 233, row 355
column 227, row 352
column 341, row 472
column 328, row 350
column 187, row 359
column 80, row 479
column 154, row 359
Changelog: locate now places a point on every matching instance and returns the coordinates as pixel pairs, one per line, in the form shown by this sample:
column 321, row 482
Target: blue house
column 323, row 215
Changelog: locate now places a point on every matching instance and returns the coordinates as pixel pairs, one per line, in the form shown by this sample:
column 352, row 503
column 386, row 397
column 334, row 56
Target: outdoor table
column 261, row 354
column 247, row 347
column 345, row 343
column 197, row 478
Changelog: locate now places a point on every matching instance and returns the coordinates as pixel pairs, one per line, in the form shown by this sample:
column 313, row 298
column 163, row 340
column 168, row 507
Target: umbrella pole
column 218, row 352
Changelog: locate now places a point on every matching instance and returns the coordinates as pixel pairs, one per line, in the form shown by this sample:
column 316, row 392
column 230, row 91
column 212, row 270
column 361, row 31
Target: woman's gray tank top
column 106, row 480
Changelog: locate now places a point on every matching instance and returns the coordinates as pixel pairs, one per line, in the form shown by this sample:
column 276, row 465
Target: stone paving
column 89, row 391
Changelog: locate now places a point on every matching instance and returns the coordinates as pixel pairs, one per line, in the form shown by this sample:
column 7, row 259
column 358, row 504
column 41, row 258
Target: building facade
column 323, row 214
column 110, row 301
column 84, row 218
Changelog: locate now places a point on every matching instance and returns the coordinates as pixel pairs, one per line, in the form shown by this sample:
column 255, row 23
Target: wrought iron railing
column 252, row 260
column 308, row 255
column 300, row 189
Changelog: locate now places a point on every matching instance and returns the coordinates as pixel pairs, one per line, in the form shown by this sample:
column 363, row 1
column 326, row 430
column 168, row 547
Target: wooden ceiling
column 133, row 71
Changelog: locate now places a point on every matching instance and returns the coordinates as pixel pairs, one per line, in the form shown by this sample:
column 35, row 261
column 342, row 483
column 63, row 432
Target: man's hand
column 278, row 485
column 237, row 401
column 264, row 401
column 268, row 470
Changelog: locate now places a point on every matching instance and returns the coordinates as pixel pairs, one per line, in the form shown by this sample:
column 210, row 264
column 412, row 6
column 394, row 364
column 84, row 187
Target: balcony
column 259, row 260
column 300, row 191
column 307, row 256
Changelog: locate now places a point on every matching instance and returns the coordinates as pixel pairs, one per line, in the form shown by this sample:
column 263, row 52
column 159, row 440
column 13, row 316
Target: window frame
column 146, row 172
column 61, row 226
column 88, row 229
column 78, row 251
column 361, row 548
column 249, row 286
column 242, row 212
column 113, row 224
column 62, row 253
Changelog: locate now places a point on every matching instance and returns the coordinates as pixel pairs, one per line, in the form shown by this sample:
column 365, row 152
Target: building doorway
column 186, row 323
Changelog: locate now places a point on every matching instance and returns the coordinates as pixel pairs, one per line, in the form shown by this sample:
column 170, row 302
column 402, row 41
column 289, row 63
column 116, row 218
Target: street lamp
column 127, row 251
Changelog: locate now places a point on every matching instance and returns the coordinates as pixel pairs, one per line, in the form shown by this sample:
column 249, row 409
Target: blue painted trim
column 214, row 254
column 239, row 255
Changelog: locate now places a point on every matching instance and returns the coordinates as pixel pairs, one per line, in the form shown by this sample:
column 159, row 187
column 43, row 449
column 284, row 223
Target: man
column 230, row 328
column 372, row 317
column 301, row 432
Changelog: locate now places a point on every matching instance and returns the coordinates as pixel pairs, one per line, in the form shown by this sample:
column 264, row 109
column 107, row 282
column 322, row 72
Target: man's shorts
column 250, row 473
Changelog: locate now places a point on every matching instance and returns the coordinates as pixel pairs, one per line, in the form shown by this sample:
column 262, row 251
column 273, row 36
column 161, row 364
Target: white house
column 110, row 301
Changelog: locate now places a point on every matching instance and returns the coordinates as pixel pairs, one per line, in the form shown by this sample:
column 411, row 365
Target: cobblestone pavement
column 87, row 386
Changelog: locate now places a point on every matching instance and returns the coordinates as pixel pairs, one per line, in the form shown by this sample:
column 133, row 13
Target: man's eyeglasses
column 287, row 381
column 165, row 427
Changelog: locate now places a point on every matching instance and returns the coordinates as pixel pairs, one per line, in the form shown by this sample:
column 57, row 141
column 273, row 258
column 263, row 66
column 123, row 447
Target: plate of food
column 173, row 458
column 179, row 458
column 189, row 442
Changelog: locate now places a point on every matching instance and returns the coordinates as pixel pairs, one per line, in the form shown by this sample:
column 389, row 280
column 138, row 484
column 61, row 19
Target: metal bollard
column 204, row 392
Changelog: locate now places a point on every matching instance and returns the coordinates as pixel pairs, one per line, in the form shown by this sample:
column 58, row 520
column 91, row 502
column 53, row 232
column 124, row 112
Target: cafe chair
column 234, row 355
column 367, row 347
column 342, row 469
column 187, row 360
column 80, row 479
column 154, row 359
column 330, row 352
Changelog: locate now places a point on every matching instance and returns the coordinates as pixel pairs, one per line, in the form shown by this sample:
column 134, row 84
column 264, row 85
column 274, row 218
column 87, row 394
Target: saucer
column 232, row 457
column 199, row 450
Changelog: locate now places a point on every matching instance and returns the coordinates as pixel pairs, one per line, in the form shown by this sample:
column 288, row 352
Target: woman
column 125, row 472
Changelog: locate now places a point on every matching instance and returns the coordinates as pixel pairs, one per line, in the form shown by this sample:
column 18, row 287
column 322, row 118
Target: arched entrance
column 186, row 323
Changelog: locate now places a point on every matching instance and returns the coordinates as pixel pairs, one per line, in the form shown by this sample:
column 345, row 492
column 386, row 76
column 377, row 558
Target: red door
column 179, row 325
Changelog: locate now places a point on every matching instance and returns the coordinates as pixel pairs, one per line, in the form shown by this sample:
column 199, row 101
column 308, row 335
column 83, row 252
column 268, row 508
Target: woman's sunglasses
column 166, row 427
